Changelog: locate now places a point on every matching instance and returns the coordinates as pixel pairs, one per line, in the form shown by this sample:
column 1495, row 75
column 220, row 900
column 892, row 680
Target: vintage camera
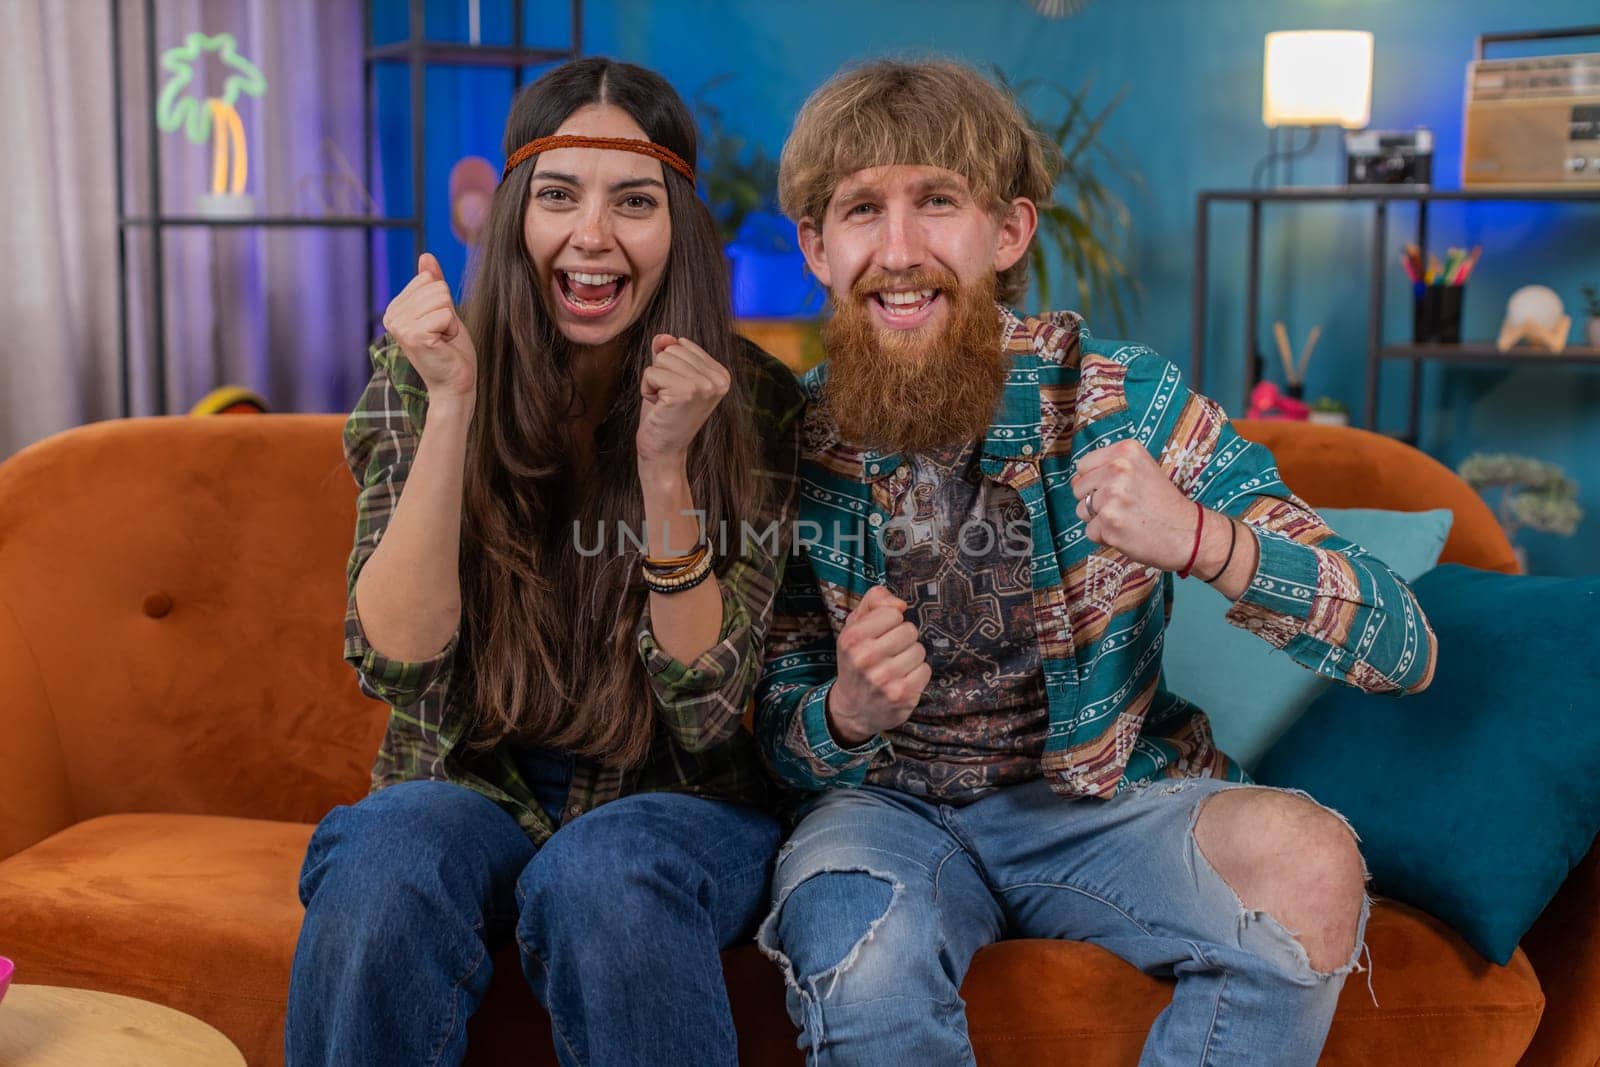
column 1388, row 157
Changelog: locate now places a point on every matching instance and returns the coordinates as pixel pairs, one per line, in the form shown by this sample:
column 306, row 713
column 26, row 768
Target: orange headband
column 643, row 148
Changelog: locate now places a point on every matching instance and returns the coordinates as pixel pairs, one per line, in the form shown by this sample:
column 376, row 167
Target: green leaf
column 1084, row 226
column 736, row 177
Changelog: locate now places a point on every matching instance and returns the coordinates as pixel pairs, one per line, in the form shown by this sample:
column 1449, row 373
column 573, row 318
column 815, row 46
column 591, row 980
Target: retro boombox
column 1533, row 122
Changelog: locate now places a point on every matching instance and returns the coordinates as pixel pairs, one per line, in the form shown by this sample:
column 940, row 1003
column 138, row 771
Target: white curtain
column 280, row 311
column 58, row 281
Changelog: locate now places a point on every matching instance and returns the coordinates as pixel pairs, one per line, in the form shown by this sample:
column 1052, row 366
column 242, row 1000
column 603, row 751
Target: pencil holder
column 1436, row 316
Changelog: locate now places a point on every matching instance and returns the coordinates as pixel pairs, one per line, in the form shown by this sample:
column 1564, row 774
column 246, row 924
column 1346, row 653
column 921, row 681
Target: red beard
column 913, row 390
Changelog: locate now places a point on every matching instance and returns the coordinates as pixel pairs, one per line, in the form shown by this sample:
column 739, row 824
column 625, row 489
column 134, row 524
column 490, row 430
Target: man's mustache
column 926, row 278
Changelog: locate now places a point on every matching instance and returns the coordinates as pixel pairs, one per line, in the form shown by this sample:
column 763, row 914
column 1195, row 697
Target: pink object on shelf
column 6, row 967
column 1267, row 401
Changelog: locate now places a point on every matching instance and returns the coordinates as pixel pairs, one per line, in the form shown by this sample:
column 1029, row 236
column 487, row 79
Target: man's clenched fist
column 1132, row 505
column 882, row 670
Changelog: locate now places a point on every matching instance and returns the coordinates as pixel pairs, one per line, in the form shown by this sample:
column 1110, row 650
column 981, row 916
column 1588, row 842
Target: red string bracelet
column 1194, row 553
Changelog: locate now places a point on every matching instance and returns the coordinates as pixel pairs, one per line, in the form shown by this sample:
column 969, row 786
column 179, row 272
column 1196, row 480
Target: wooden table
column 54, row 1026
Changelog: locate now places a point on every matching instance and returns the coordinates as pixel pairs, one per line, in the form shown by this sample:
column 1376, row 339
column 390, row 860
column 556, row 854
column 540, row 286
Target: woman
column 550, row 588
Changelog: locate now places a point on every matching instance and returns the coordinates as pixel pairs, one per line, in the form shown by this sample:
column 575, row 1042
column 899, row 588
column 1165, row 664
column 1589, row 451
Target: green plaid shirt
column 701, row 744
column 1099, row 616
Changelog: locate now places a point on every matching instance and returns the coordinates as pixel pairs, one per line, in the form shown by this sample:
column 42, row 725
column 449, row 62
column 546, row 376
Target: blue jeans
column 619, row 919
column 880, row 900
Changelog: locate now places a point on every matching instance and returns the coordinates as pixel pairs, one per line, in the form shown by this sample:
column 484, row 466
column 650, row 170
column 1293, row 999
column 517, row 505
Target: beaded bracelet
column 680, row 587
column 703, row 563
column 680, row 582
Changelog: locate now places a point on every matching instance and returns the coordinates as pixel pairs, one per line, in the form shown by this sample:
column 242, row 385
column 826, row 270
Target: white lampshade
column 1318, row 78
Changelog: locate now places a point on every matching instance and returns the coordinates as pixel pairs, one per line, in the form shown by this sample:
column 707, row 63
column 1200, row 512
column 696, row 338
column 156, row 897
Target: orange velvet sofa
column 177, row 717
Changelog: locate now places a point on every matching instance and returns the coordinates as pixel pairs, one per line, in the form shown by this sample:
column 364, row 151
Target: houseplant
column 1591, row 304
column 1329, row 411
column 1086, row 223
column 737, row 176
column 1533, row 494
column 739, row 181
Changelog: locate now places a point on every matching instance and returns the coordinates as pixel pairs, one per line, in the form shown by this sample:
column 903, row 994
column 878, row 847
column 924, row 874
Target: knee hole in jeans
column 817, row 928
column 1328, row 870
column 848, row 905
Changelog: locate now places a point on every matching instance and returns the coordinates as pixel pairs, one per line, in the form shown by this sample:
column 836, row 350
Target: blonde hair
column 931, row 112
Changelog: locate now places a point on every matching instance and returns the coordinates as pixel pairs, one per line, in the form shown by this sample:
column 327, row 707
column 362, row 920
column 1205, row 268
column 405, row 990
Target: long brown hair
column 549, row 654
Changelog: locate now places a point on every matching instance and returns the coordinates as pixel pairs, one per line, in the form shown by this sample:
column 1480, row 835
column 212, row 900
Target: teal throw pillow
column 1477, row 796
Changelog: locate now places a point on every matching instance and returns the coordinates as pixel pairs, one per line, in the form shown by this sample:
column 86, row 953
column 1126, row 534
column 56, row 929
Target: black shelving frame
column 415, row 51
column 1380, row 197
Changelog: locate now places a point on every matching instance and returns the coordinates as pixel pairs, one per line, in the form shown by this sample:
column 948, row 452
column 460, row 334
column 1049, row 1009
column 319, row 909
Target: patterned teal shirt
column 1099, row 616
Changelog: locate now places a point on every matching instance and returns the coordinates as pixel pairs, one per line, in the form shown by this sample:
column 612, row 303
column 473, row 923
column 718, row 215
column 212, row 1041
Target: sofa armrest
column 1564, row 947
column 35, row 796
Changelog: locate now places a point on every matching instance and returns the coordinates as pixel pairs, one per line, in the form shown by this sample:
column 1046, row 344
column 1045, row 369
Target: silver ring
column 1088, row 502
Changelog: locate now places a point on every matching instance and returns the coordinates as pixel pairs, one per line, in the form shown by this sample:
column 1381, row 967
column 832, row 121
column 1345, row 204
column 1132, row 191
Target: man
column 968, row 673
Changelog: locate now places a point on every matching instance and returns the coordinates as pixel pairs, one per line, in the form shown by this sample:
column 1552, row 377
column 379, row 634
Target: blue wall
column 1190, row 120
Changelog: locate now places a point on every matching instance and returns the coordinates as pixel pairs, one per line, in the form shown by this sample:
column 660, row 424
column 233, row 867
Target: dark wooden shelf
column 363, row 222
column 1486, row 352
column 1403, row 193
column 461, row 54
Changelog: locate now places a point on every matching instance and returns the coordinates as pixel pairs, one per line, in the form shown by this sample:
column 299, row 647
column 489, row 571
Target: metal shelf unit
column 1485, row 352
column 416, row 52
column 1380, row 197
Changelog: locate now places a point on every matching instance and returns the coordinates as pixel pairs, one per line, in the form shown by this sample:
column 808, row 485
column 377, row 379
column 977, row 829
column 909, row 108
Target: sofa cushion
column 200, row 914
column 1438, row 1002
column 1205, row 656
column 196, row 912
column 1476, row 797
column 1027, row 1001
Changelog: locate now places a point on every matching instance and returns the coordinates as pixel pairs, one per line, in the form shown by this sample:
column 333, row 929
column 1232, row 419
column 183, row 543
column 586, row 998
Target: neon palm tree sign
column 214, row 118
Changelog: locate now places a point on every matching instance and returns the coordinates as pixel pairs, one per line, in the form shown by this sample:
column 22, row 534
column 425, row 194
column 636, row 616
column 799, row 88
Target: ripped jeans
column 880, row 900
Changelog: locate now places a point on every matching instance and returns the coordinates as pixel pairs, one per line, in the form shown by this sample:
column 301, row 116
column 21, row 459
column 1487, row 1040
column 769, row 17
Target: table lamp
column 1314, row 78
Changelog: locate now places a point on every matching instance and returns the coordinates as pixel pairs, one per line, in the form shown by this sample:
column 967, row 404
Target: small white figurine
column 1535, row 314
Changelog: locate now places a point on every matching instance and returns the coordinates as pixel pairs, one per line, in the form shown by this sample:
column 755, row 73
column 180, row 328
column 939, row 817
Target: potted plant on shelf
column 1591, row 304
column 1330, row 412
column 1533, row 494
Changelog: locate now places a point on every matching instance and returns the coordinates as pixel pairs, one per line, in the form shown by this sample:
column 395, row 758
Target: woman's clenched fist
column 423, row 321
column 678, row 392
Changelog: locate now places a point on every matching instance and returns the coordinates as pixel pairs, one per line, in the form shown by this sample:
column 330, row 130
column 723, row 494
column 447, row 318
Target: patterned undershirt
column 958, row 554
